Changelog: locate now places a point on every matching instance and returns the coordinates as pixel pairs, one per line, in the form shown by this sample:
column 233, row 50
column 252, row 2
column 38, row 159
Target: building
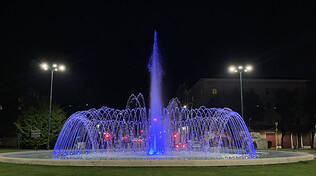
column 264, row 100
column 208, row 89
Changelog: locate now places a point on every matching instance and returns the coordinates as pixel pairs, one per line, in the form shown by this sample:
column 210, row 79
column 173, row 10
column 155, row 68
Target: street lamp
column 240, row 69
column 52, row 68
column 276, row 135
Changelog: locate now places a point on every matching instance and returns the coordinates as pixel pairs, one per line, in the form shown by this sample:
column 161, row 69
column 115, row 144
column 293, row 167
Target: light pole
column 52, row 68
column 240, row 69
column 276, row 135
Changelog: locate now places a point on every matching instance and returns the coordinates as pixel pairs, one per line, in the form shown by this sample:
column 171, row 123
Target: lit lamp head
column 62, row 68
column 55, row 67
column 240, row 68
column 248, row 68
column 44, row 66
column 232, row 69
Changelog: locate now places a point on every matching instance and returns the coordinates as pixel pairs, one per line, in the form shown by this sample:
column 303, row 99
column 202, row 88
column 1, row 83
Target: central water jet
column 157, row 131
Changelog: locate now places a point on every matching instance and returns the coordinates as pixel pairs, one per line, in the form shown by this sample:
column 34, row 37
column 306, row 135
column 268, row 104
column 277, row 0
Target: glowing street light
column 62, row 68
column 232, row 69
column 248, row 68
column 52, row 68
column 240, row 69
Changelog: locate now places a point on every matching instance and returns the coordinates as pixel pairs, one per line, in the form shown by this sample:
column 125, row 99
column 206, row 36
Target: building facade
column 266, row 102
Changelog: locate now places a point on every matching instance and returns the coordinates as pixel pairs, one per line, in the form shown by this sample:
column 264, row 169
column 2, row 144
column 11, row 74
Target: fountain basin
column 126, row 160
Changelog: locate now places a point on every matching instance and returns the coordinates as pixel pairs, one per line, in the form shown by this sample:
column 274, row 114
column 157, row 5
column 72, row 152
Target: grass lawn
column 311, row 151
column 302, row 168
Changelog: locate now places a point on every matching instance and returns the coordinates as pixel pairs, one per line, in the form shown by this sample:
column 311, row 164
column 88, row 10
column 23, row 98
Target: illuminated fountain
column 170, row 132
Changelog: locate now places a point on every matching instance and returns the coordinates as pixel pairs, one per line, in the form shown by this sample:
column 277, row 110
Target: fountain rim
column 300, row 156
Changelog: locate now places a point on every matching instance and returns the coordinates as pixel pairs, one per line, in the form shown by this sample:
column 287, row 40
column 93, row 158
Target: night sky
column 106, row 46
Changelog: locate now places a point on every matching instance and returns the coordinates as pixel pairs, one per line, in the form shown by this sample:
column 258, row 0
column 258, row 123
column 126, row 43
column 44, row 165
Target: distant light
column 183, row 128
column 55, row 69
column 141, row 131
column 240, row 68
column 249, row 67
column 124, row 138
column 175, row 135
column 232, row 68
column 185, row 106
column 62, row 68
column 44, row 66
column 107, row 135
column 155, row 119
column 54, row 65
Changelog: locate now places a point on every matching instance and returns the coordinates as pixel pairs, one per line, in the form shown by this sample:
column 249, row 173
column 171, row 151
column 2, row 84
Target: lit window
column 214, row 91
column 1, row 107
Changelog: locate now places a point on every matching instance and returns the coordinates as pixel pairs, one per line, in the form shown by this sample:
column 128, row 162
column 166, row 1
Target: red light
column 124, row 137
column 175, row 135
column 107, row 135
column 141, row 131
column 184, row 146
column 177, row 146
column 139, row 140
column 155, row 119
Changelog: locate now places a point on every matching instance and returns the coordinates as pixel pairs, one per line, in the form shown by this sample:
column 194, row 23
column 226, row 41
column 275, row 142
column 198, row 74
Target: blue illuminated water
column 159, row 132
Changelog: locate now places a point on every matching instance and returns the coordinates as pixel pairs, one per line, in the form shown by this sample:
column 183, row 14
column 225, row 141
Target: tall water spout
column 156, row 138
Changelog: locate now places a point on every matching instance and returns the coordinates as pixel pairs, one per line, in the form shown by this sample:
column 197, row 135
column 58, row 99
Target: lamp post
column 52, row 68
column 241, row 69
column 276, row 135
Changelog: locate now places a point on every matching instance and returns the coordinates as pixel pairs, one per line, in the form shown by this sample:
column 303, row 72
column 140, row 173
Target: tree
column 309, row 109
column 313, row 126
column 35, row 117
column 183, row 94
column 290, row 110
column 253, row 107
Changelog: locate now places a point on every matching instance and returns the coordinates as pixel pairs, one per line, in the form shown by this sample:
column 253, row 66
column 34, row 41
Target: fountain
column 171, row 132
column 157, row 136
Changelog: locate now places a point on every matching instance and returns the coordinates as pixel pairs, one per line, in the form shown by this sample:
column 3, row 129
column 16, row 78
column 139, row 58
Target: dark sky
column 106, row 46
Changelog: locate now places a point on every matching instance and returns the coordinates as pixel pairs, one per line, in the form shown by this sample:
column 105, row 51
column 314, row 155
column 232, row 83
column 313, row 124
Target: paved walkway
column 5, row 157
